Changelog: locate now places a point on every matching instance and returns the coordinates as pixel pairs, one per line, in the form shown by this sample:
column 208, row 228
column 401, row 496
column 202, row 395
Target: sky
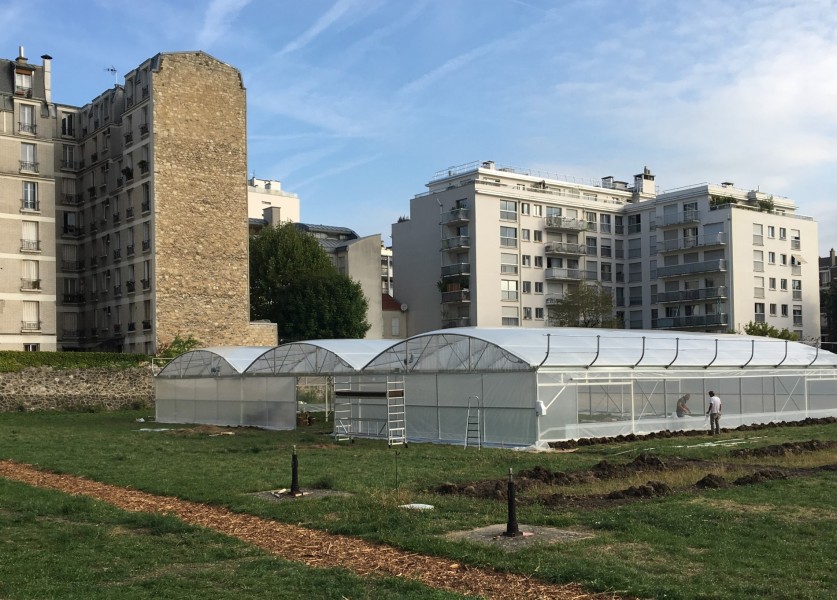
column 355, row 104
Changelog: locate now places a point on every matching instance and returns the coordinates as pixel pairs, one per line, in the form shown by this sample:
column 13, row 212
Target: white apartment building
column 488, row 246
column 268, row 201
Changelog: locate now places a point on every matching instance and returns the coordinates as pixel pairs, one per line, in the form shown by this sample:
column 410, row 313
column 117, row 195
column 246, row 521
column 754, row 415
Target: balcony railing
column 457, row 215
column 564, row 248
column 74, row 298
column 456, row 322
column 797, row 321
column 129, row 138
column 456, row 269
column 72, row 231
column 27, row 127
column 570, row 274
column 680, row 218
column 146, row 325
column 129, row 249
column 69, row 165
column 132, row 326
column 30, row 245
column 131, row 286
column 146, row 284
column 116, row 218
column 129, row 213
column 462, row 241
column 117, row 291
column 27, row 326
column 30, row 285
column 144, row 129
column 565, row 224
column 146, row 245
column 553, row 299
column 719, row 320
column 146, row 206
column 71, row 334
column 697, row 241
column 457, row 296
column 697, row 295
column 72, row 265
column 690, row 268
column 29, row 205
column 28, row 165
column 73, row 199
column 759, row 318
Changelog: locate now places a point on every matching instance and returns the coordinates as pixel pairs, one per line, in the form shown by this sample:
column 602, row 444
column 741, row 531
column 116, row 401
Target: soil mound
column 652, row 489
column 760, row 477
column 784, row 449
column 712, row 481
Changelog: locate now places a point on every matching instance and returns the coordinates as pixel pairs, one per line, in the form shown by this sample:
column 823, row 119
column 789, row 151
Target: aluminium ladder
column 396, row 412
column 473, row 433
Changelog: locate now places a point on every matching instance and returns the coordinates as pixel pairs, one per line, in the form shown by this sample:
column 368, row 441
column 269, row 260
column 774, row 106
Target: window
column 68, row 126
column 31, row 347
column 784, row 310
column 783, row 233
column 508, row 237
column 758, row 287
column 592, row 242
column 527, row 287
column 23, row 83
column 27, row 118
column 538, row 235
column 30, row 195
column 524, row 208
column 604, row 224
column 31, row 316
column 537, row 210
column 771, row 258
column 783, row 259
column 772, row 310
column 508, row 210
column 30, row 242
column 539, row 287
column 772, row 283
column 635, row 248
column 634, row 223
column 526, row 260
column 510, row 316
column 797, row 315
column 525, row 235
column 28, row 159
column 771, row 231
column 758, row 261
column 758, row 237
column 607, row 272
column 508, row 263
column 553, row 211
column 759, row 312
column 783, row 283
column 592, row 221
column 539, row 262
column 527, row 313
column 796, row 242
column 508, row 289
column 607, row 251
column 539, row 314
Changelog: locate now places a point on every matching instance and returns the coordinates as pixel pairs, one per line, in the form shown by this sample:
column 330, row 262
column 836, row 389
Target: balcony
column 569, row 274
column 146, row 206
column 698, row 295
column 74, row 298
column 94, row 332
column 146, row 325
column 91, row 191
column 131, row 286
column 30, row 326
column 564, row 224
column 72, row 231
column 94, row 157
column 116, row 218
column 27, row 128
column 129, row 249
column 129, row 213
column 457, row 296
column 461, row 241
column 143, row 167
column 117, row 329
column 129, row 137
column 456, row 322
column 457, row 215
column 146, row 245
column 145, row 91
column 72, row 199
column 117, row 291
column 456, row 270
column 691, row 268
column 72, row 265
column 30, row 245
column 29, row 206
column 553, row 299
column 22, row 90
column 553, row 248
column 30, row 285
column 719, row 320
column 681, row 218
column 69, row 165
column 144, row 129
column 146, row 284
column 29, row 166
column 688, row 243
column 132, row 327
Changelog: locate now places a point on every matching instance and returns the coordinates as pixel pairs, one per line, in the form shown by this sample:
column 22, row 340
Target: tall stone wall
column 200, row 197
column 45, row 388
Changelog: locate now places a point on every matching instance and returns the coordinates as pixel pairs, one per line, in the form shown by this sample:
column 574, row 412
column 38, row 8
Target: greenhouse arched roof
column 317, row 357
column 515, row 349
column 218, row 361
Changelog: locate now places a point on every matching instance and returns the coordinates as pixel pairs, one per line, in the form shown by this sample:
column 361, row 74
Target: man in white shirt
column 714, row 413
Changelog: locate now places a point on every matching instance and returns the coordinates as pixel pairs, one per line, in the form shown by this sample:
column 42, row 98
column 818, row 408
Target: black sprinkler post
column 295, row 491
column 512, row 530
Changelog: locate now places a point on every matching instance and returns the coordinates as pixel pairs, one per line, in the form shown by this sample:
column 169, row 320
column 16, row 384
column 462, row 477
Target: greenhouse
column 507, row 386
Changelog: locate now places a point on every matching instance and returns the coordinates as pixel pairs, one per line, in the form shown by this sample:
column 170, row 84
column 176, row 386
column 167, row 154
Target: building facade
column 131, row 189
column 488, row 246
column 268, row 202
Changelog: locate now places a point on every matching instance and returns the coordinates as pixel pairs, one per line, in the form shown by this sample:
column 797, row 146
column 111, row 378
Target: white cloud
column 332, row 16
column 217, row 19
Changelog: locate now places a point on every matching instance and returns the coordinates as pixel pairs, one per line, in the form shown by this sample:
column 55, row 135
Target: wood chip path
column 311, row 547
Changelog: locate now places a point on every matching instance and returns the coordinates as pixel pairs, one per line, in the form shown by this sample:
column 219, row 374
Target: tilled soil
column 311, row 547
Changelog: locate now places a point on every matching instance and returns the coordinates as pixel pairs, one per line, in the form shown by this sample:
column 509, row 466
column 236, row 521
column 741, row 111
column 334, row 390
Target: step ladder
column 396, row 412
column 473, row 433
column 343, row 422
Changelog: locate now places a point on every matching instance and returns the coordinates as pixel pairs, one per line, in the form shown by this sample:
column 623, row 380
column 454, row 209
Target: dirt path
column 311, row 547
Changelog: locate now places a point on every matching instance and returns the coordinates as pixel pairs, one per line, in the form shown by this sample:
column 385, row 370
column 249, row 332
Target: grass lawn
column 768, row 540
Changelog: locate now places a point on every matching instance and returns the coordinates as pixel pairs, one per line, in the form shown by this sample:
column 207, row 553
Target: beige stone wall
column 200, row 203
column 44, row 388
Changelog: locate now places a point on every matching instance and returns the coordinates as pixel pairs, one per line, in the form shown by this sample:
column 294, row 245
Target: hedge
column 11, row 361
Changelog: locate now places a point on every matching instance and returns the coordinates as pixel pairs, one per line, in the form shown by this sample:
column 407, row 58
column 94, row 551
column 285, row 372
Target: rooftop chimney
column 47, row 77
column 20, row 57
column 833, row 258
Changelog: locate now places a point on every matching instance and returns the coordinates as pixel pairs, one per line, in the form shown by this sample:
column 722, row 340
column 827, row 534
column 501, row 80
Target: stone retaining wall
column 45, row 388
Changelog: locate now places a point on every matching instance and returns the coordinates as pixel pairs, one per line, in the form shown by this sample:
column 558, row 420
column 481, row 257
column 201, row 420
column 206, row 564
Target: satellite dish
column 403, row 308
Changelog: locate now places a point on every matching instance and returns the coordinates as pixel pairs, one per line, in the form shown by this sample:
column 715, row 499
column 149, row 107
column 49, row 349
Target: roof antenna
column 112, row 70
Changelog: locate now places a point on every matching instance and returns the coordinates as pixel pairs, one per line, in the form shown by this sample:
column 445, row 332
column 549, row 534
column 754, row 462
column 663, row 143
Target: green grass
column 12, row 360
column 773, row 540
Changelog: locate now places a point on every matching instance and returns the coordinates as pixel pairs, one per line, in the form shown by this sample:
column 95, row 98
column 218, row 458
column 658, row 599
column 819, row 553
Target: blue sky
column 355, row 104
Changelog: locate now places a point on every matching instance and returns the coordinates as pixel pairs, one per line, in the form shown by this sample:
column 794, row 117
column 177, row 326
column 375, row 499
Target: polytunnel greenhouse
column 514, row 386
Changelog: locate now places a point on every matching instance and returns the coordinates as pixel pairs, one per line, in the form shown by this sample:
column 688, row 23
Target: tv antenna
column 112, row 70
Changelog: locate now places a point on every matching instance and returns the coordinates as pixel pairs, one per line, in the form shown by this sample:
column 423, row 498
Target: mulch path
column 311, row 547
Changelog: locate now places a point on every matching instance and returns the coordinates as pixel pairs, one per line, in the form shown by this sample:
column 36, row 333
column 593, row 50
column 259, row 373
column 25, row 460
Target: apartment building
column 828, row 281
column 129, row 192
column 488, row 246
column 268, row 202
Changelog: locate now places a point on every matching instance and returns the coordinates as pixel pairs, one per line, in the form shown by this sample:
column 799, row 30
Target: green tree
column 585, row 306
column 828, row 307
column 294, row 284
column 767, row 330
column 177, row 346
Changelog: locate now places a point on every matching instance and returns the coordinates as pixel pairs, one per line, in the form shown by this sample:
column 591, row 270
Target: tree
column 828, row 307
column 294, row 284
column 585, row 306
column 767, row 330
column 177, row 346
